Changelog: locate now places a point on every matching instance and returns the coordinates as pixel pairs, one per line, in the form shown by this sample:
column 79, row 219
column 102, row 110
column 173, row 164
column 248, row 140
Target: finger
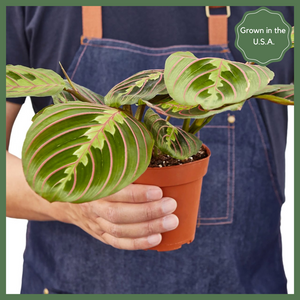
column 138, row 230
column 129, row 213
column 136, row 193
column 132, row 244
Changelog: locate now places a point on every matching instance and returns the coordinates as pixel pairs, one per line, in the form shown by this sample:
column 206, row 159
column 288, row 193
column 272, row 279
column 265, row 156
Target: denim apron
column 237, row 247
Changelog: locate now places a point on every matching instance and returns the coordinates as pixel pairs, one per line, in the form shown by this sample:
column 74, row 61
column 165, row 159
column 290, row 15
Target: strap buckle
column 228, row 12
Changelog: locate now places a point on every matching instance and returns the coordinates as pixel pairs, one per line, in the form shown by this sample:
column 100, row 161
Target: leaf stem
column 128, row 109
column 68, row 78
column 198, row 124
column 74, row 90
column 186, row 124
column 155, row 151
column 78, row 95
column 275, row 99
column 168, row 118
column 139, row 112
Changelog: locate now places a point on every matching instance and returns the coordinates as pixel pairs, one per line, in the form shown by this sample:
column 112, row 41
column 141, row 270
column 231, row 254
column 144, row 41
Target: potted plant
column 86, row 146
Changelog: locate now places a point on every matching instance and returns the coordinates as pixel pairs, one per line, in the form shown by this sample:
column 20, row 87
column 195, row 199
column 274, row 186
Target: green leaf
column 170, row 139
column 267, row 90
column 165, row 105
column 78, row 152
column 143, row 85
column 22, row 81
column 82, row 91
column 212, row 83
column 285, row 91
column 282, row 94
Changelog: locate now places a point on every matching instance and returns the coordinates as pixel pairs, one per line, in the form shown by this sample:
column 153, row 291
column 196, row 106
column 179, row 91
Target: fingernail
column 170, row 222
column 154, row 194
column 168, row 205
column 154, row 239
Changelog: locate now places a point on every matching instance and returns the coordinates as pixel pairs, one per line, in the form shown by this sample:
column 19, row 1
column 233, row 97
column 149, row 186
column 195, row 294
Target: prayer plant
column 86, row 146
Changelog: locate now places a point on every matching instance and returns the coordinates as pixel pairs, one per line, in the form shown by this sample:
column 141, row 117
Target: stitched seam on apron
column 233, row 173
column 225, row 52
column 230, row 181
column 151, row 48
column 78, row 62
column 266, row 153
column 149, row 54
column 230, row 163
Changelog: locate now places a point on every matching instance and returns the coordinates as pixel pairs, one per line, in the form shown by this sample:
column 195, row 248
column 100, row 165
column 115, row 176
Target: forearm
column 132, row 219
column 21, row 201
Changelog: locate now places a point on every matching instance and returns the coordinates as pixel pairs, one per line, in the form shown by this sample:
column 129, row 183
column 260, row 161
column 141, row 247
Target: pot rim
column 184, row 165
column 176, row 175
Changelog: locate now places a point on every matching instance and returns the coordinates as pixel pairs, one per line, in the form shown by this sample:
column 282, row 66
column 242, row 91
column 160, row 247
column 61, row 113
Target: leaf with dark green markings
column 78, row 152
column 143, row 85
column 280, row 93
column 165, row 105
column 212, row 82
column 22, row 81
column 82, row 91
column 170, row 139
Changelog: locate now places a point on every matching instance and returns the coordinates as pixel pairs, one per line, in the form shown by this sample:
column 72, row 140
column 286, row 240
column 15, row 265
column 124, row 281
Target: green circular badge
column 263, row 36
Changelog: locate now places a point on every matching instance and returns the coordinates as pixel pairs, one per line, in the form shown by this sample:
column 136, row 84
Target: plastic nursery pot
column 183, row 183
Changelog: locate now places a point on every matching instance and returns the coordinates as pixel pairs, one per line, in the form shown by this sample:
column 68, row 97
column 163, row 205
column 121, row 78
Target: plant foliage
column 86, row 146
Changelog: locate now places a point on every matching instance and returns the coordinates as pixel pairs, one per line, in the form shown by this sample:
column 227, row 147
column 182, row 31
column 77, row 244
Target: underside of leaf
column 165, row 105
column 278, row 93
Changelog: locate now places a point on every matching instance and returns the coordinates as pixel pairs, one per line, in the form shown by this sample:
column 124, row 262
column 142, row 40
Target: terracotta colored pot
column 183, row 183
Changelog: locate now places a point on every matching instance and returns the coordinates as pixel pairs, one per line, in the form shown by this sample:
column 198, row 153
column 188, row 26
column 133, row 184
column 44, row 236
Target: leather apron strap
column 217, row 26
column 92, row 22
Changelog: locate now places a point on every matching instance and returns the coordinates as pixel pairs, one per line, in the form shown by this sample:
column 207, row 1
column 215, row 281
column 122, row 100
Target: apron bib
column 237, row 246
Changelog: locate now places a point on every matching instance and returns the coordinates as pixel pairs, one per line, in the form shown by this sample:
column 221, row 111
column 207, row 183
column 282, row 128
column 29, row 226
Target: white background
column 16, row 229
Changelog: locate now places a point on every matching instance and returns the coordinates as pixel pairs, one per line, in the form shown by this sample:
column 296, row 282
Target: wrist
column 60, row 211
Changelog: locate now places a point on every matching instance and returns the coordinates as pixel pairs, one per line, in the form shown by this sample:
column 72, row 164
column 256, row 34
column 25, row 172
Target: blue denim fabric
column 237, row 246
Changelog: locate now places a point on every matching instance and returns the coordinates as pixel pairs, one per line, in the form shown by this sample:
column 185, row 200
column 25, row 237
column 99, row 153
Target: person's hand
column 130, row 219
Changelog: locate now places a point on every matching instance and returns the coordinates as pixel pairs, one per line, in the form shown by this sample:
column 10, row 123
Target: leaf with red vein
column 278, row 93
column 65, row 96
column 165, row 105
column 22, row 82
column 211, row 82
column 267, row 89
column 170, row 139
column 78, row 152
column 143, row 85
